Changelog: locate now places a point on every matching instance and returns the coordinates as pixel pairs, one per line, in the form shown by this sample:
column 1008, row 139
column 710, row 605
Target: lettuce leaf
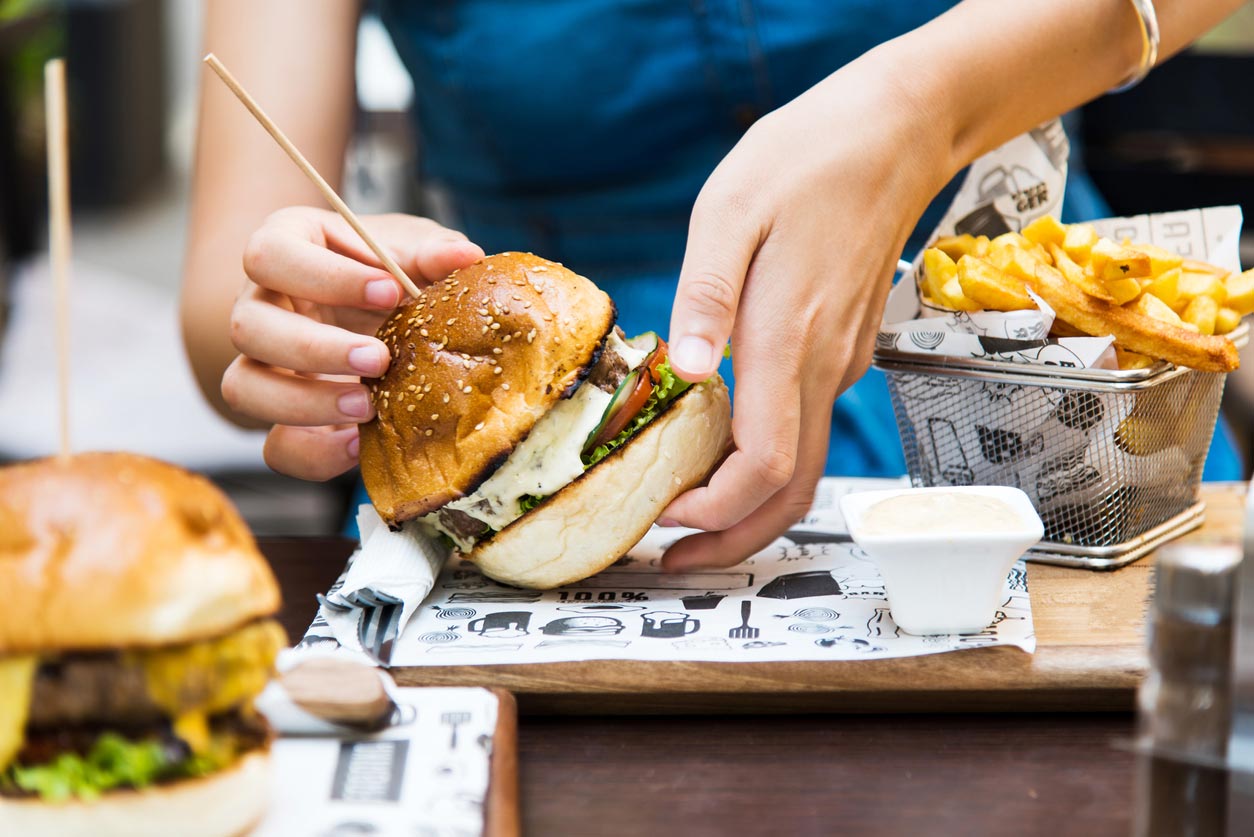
column 668, row 387
column 527, row 502
column 113, row 762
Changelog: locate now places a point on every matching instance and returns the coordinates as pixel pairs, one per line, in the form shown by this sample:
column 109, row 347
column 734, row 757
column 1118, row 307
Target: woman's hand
column 792, row 247
column 305, row 322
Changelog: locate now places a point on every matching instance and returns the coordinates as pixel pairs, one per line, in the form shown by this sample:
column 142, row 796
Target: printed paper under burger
column 811, row 595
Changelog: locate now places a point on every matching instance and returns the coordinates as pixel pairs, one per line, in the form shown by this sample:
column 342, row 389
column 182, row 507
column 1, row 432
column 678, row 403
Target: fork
column 454, row 720
column 744, row 631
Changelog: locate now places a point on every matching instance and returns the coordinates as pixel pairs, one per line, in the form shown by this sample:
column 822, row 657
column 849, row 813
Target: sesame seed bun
column 594, row 520
column 113, row 550
column 477, row 360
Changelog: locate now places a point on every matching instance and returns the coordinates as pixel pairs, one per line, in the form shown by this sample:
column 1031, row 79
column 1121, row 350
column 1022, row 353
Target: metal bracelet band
column 1148, row 19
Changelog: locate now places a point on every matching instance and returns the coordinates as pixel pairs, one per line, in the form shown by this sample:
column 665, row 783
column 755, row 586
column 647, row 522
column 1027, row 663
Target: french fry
column 1240, row 287
column 1123, row 290
column 1160, row 260
column 938, row 268
column 1110, row 262
column 1078, row 242
column 999, row 255
column 1076, row 275
column 1134, row 331
column 1165, row 286
column 1010, row 239
column 1202, row 312
column 1065, row 329
column 1023, row 263
column 1133, row 360
column 953, row 297
column 1153, row 307
column 1143, row 436
column 1194, row 283
column 1045, row 231
column 957, row 246
column 1196, row 266
column 1226, row 320
column 992, row 288
column 940, row 279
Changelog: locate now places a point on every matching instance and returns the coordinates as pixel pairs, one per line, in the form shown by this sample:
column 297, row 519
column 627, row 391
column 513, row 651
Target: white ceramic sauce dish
column 943, row 576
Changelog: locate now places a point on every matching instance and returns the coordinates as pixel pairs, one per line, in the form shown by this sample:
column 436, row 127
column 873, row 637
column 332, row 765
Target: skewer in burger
column 517, row 421
column 134, row 635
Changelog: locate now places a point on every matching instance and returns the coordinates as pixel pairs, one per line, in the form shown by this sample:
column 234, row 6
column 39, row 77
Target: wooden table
column 1028, row 773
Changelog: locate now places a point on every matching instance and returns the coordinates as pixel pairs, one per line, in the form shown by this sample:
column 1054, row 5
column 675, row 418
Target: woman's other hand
column 792, row 245
column 305, row 322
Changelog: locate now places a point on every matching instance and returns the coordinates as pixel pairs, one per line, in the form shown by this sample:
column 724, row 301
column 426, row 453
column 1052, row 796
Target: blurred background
column 1183, row 138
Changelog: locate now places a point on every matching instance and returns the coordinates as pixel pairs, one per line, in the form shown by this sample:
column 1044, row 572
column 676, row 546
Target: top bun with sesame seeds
column 477, row 360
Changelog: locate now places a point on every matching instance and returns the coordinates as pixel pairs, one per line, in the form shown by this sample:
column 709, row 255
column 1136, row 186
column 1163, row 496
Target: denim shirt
column 582, row 130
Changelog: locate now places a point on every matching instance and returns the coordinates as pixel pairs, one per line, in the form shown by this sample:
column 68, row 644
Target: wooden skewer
column 304, row 165
column 59, row 229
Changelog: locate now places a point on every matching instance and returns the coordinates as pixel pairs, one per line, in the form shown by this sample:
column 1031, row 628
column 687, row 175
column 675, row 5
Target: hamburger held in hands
column 521, row 425
column 134, row 635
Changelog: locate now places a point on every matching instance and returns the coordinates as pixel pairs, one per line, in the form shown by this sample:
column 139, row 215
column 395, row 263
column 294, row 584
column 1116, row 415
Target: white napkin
column 383, row 584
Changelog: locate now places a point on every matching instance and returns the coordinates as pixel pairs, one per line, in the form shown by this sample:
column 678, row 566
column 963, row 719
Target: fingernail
column 354, row 404
column 382, row 293
column 368, row 360
column 354, row 447
column 667, row 522
column 693, row 354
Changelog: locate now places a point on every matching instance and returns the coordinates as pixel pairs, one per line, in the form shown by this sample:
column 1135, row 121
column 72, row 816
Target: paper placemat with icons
column 428, row 771
column 811, row 595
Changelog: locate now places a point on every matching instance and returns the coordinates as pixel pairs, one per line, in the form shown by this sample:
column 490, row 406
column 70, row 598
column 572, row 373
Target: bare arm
column 296, row 58
column 997, row 69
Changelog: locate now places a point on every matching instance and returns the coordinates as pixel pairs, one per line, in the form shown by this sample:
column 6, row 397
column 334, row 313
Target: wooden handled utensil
column 340, row 692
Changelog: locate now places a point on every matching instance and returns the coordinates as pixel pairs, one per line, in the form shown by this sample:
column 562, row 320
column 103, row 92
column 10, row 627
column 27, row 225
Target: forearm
column 988, row 70
column 296, row 57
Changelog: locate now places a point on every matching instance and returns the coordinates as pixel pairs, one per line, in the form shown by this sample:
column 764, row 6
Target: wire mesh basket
column 1112, row 460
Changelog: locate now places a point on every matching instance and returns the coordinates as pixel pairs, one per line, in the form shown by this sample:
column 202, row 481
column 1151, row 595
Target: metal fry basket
column 1112, row 460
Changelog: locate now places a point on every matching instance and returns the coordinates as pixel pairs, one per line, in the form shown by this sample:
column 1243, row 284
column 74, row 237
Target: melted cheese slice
column 191, row 682
column 17, row 677
column 549, row 459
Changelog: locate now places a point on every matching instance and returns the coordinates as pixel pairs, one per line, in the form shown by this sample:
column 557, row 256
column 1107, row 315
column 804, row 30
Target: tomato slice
column 622, row 417
column 633, row 393
column 655, row 359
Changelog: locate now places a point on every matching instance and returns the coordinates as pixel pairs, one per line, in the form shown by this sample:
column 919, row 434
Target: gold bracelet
column 1148, row 20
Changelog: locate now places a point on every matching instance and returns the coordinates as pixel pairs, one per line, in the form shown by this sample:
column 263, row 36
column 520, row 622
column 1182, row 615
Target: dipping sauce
column 942, row 514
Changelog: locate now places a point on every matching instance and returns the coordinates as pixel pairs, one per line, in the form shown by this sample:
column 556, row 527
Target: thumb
column 713, row 275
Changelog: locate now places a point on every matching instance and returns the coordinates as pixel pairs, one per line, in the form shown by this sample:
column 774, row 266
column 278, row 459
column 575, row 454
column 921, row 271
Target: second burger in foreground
column 136, row 632
column 518, row 422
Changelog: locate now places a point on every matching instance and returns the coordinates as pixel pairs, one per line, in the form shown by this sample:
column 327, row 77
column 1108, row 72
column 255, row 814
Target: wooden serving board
column 1090, row 655
column 501, row 815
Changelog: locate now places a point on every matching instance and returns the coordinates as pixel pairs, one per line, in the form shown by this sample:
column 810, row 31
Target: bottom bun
column 224, row 804
column 592, row 522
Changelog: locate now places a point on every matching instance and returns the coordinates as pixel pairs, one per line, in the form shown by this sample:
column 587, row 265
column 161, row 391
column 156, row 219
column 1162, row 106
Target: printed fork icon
column 454, row 720
column 744, row 631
